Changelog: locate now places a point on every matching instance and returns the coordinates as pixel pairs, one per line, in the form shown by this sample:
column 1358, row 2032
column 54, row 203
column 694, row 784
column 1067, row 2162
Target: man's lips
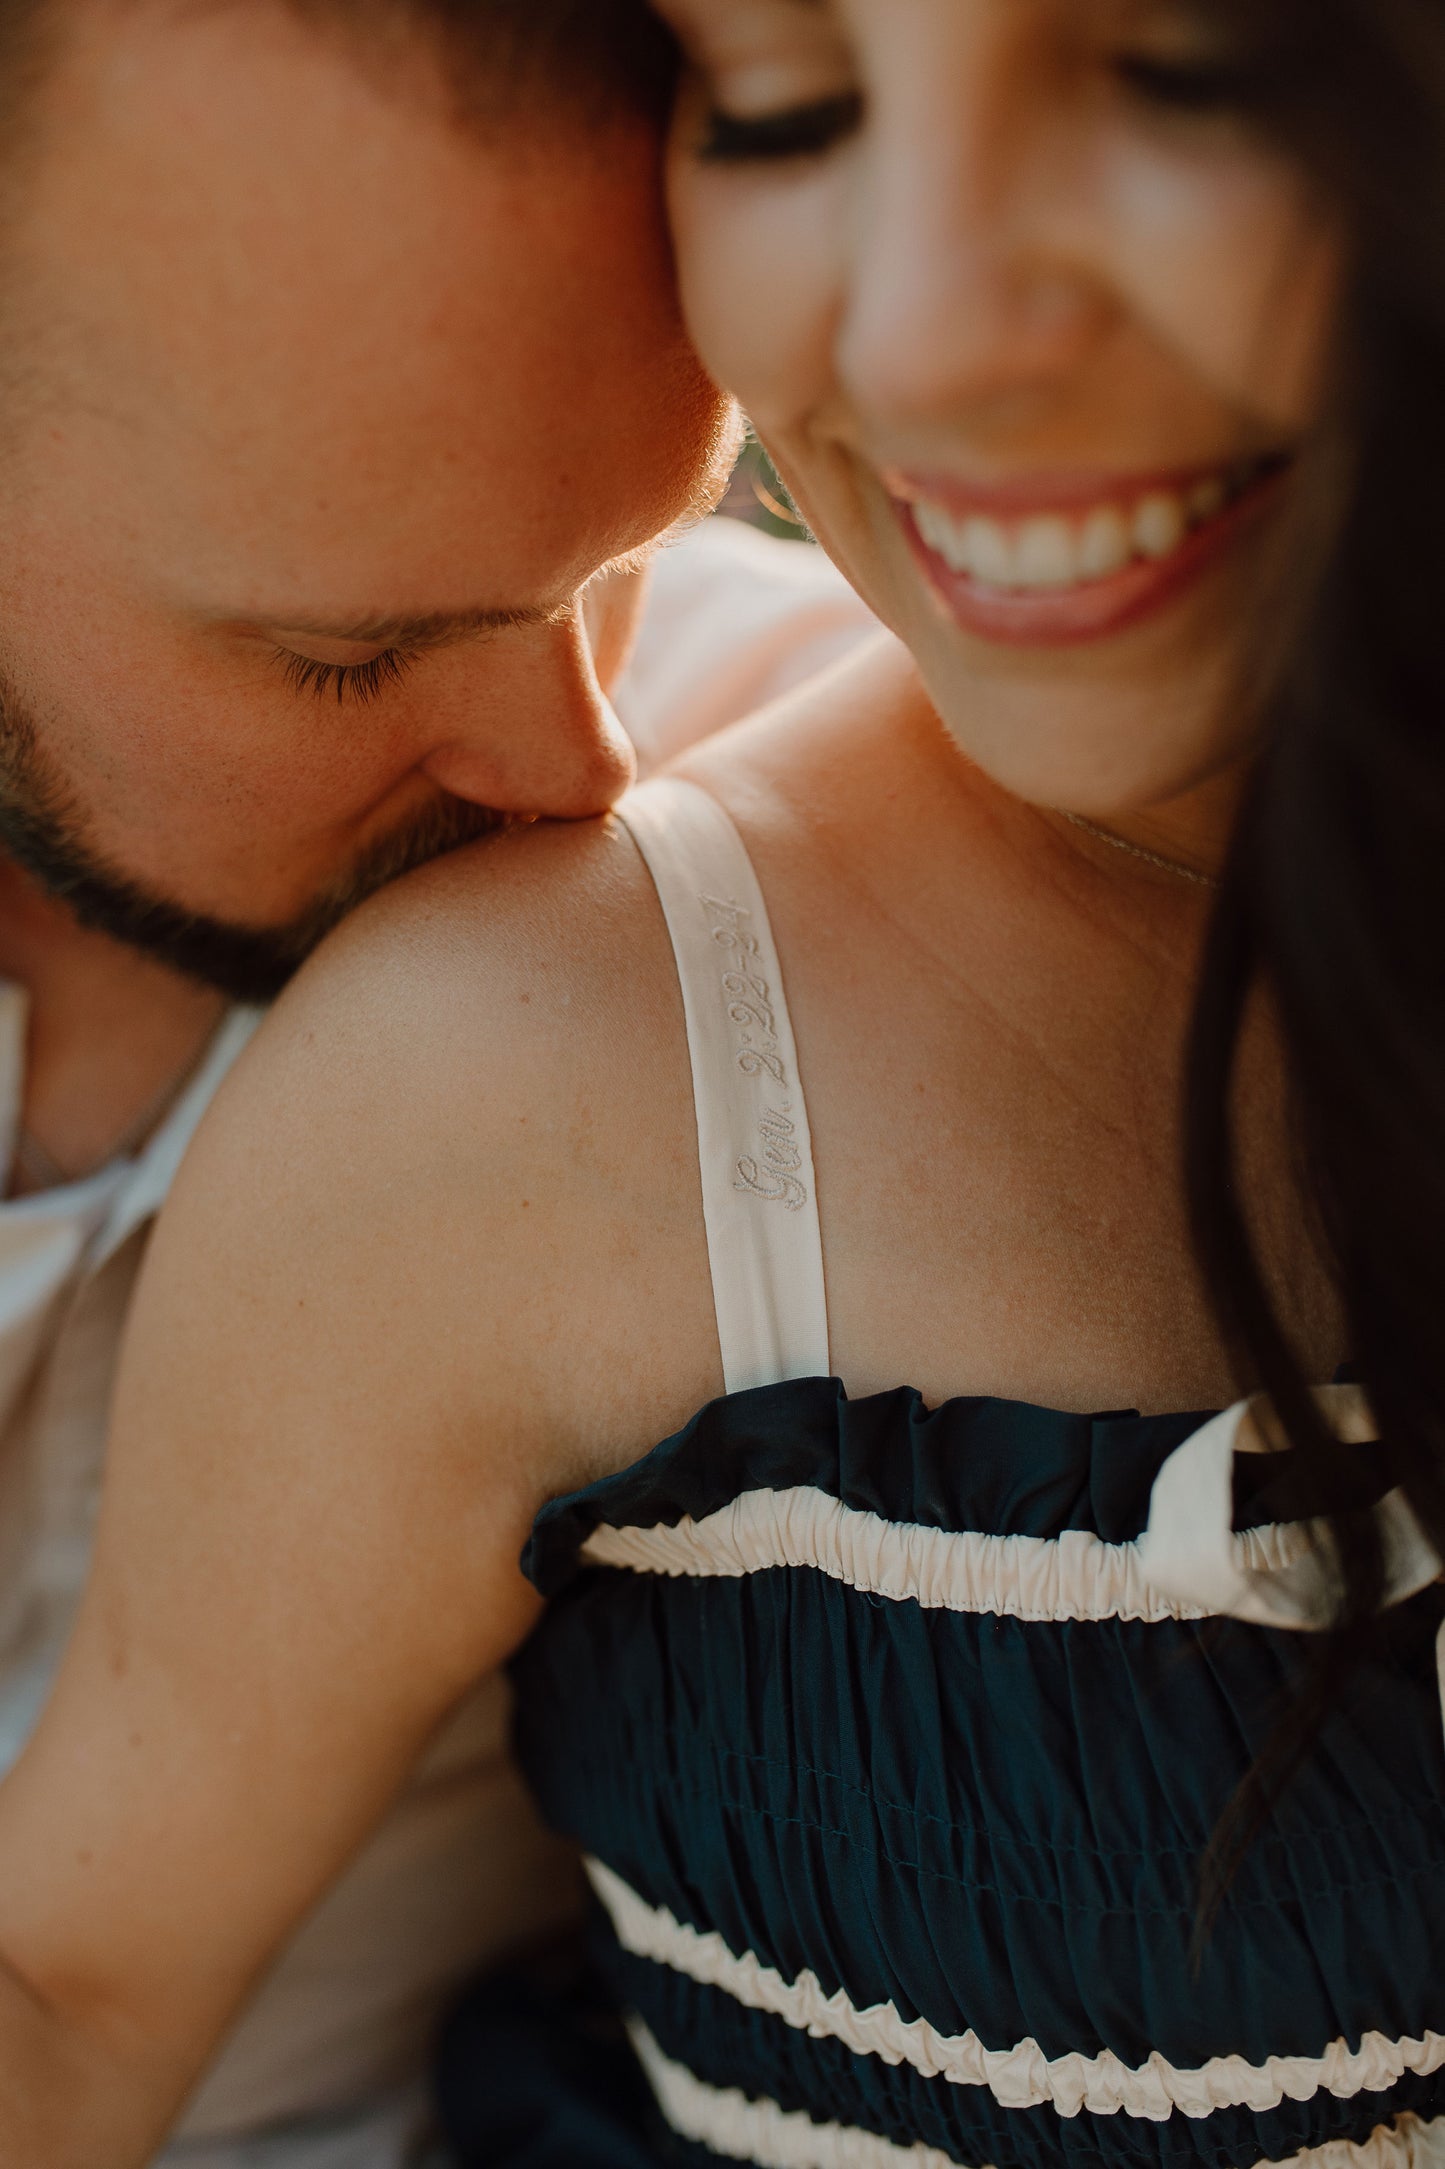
column 1043, row 565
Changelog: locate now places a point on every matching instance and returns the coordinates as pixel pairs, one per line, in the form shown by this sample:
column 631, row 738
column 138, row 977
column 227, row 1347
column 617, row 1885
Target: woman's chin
column 1105, row 751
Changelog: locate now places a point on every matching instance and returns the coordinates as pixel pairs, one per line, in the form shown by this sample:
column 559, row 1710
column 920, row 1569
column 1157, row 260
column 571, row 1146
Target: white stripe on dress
column 1021, row 2077
column 1073, row 1576
column 732, row 2125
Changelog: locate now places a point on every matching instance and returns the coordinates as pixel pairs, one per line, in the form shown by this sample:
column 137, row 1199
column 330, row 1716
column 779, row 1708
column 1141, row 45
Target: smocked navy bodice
column 896, row 1776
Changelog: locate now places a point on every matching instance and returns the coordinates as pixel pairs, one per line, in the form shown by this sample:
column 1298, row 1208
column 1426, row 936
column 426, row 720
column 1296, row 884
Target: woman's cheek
column 759, row 270
column 1230, row 269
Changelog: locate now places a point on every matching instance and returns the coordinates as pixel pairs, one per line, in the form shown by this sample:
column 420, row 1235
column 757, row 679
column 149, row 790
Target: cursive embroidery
column 777, row 1178
column 772, row 1172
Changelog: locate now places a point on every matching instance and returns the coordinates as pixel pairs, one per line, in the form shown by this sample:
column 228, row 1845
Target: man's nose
column 967, row 295
column 534, row 733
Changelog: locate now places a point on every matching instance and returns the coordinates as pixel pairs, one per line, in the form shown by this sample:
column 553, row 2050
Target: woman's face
column 1034, row 326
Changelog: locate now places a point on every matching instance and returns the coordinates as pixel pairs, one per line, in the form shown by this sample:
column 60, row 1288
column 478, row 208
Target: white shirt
column 734, row 619
column 323, row 2070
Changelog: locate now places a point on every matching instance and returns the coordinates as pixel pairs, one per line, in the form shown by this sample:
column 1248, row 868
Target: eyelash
column 804, row 131
column 1203, row 87
column 348, row 681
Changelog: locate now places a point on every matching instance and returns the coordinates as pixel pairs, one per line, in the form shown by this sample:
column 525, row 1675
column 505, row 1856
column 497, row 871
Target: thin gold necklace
column 1150, row 858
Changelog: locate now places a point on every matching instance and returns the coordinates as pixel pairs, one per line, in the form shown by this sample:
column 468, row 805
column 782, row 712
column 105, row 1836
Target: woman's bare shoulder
column 383, row 1285
column 513, row 949
column 464, row 1136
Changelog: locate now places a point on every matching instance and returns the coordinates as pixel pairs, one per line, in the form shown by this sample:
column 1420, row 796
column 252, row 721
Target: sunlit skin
column 308, row 368
column 454, row 1182
column 291, row 354
column 1021, row 279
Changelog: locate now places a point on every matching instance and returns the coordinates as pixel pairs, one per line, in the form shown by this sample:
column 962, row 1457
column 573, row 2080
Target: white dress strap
column 759, row 1197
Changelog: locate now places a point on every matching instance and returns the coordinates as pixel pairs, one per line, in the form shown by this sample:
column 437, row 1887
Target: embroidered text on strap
column 760, row 1204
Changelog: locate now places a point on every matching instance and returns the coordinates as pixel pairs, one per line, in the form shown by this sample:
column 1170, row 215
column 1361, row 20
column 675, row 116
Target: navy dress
column 894, row 1762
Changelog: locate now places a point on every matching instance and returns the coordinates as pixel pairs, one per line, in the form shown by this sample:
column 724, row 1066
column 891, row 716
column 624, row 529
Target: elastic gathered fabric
column 743, row 2127
column 981, row 1818
column 1019, row 2076
column 1071, row 1576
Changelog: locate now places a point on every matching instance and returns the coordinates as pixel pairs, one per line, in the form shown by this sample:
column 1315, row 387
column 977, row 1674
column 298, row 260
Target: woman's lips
column 1049, row 569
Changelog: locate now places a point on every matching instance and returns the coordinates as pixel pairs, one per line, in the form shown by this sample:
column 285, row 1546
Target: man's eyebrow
column 427, row 629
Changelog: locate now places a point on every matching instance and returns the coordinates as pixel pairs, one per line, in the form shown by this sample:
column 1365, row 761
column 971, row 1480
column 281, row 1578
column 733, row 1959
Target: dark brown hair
column 1334, row 894
column 594, row 58
column 599, row 56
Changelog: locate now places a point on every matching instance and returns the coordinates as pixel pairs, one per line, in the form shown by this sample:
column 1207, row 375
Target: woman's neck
column 1188, row 835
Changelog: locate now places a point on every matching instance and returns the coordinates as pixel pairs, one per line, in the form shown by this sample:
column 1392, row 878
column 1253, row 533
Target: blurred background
column 756, row 495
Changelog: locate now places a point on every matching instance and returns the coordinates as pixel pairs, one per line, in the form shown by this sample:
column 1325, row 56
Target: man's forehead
column 242, row 127
column 249, row 224
column 316, row 341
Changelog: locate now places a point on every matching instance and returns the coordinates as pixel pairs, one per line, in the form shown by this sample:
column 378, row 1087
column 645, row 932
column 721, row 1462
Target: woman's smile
column 1048, row 317
column 1052, row 561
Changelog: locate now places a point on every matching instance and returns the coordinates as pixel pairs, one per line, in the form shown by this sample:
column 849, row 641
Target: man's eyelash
column 802, row 132
column 348, row 681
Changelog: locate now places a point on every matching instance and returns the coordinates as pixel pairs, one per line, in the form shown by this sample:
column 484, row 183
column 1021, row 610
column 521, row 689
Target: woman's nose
column 535, row 734
column 966, row 294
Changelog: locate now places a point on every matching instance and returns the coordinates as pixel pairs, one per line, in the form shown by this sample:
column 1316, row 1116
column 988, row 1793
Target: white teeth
column 950, row 537
column 1107, row 544
column 988, row 554
column 1044, row 554
column 1159, row 525
column 930, row 520
column 1060, row 550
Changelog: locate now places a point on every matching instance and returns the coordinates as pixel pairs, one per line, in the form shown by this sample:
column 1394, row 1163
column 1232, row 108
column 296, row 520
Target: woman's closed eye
column 1219, row 84
column 1180, row 58
column 799, row 131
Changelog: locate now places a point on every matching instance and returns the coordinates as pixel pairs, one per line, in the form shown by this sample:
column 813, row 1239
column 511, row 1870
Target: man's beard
column 42, row 831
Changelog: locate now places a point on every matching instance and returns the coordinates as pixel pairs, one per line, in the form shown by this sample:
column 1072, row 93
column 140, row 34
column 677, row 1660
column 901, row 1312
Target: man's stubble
column 43, row 830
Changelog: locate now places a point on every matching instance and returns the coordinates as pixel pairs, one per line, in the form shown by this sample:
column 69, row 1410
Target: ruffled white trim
column 1073, row 1576
column 1406, row 2143
column 741, row 2129
column 759, row 2131
column 1021, row 2077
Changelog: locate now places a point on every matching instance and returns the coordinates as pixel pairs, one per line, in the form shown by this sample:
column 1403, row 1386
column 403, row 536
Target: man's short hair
column 593, row 58
column 602, row 54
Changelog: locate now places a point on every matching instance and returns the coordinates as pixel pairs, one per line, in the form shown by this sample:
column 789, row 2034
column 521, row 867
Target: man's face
column 326, row 408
